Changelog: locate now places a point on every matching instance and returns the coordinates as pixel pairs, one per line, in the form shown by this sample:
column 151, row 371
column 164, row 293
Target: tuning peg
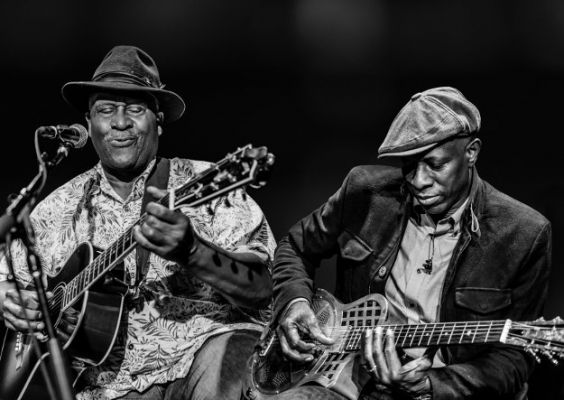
column 534, row 354
column 550, row 355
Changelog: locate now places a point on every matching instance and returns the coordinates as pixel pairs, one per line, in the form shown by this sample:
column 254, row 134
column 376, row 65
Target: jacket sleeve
column 500, row 370
column 301, row 250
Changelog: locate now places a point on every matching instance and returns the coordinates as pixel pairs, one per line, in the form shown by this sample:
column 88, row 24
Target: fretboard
column 434, row 334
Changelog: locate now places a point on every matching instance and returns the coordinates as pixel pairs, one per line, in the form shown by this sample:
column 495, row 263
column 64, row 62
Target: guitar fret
column 450, row 336
column 406, row 335
column 488, row 332
column 413, row 335
column 440, row 334
column 431, row 335
column 463, row 332
column 476, row 329
column 422, row 334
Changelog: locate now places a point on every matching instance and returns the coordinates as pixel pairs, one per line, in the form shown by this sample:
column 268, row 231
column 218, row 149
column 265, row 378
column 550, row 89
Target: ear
column 87, row 117
column 472, row 151
column 160, row 120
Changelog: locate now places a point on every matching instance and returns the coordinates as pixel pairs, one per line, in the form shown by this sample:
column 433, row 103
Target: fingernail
column 378, row 330
column 309, row 358
column 40, row 325
column 389, row 332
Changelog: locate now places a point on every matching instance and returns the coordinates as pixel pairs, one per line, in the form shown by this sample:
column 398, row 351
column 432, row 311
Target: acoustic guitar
column 270, row 373
column 91, row 287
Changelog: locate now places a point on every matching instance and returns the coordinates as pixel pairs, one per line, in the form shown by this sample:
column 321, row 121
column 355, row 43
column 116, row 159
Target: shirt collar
column 448, row 224
column 138, row 184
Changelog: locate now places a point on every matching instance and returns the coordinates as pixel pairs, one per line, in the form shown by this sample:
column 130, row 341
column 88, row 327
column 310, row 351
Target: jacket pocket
column 483, row 300
column 353, row 247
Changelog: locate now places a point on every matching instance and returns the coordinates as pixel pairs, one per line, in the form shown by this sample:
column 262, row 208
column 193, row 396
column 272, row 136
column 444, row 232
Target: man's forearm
column 242, row 278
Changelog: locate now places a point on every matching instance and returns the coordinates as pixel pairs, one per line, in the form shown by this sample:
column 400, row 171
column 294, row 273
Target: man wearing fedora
column 202, row 283
column 439, row 242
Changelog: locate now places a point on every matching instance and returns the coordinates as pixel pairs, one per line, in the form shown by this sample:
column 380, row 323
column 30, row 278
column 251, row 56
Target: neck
column 122, row 180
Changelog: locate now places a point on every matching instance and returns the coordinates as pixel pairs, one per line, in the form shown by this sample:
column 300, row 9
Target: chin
column 437, row 210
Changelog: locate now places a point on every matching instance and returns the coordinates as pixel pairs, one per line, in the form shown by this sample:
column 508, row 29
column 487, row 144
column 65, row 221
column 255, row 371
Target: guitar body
column 87, row 339
column 271, row 373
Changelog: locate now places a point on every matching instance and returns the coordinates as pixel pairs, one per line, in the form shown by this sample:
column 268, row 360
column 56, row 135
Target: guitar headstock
column 247, row 166
column 540, row 338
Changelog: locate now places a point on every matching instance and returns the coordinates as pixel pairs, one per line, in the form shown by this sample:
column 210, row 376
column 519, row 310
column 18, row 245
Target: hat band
column 124, row 77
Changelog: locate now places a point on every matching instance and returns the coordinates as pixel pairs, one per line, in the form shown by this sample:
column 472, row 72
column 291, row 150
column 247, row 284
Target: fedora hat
column 126, row 69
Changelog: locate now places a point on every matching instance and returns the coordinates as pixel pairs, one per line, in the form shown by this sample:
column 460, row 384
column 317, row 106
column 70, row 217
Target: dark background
column 317, row 81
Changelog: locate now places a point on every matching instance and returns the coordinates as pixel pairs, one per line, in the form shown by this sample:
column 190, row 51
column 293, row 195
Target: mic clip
column 427, row 267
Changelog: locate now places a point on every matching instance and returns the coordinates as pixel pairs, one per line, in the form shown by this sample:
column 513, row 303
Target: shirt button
column 130, row 346
column 382, row 272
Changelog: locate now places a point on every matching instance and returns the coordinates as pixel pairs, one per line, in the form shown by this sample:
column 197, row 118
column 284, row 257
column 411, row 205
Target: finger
column 29, row 298
column 175, row 232
column 368, row 349
column 156, row 192
column 153, row 235
column 392, row 358
column 290, row 352
column 163, row 213
column 379, row 357
column 317, row 334
column 21, row 325
column 292, row 334
column 20, row 312
column 144, row 242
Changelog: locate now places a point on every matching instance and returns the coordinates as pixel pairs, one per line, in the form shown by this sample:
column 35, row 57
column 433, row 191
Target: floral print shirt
column 165, row 330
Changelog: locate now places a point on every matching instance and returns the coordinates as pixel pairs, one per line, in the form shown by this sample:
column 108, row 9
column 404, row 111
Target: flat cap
column 429, row 118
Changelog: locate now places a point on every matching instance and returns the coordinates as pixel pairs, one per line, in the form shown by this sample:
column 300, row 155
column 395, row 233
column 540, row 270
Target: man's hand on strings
column 381, row 360
column 165, row 232
column 297, row 329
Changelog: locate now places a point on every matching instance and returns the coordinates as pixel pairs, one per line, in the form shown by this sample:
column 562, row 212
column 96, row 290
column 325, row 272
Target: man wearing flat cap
column 439, row 242
column 199, row 280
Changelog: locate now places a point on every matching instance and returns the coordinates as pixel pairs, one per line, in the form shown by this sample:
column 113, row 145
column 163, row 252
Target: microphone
column 74, row 136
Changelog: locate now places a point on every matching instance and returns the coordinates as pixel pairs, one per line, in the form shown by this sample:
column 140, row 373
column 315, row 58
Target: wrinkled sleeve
column 299, row 253
column 239, row 225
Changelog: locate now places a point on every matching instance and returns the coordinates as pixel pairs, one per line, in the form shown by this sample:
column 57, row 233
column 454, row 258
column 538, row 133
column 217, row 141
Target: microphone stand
column 17, row 219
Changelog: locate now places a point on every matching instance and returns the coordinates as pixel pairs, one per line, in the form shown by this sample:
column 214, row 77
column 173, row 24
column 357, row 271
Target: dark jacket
column 499, row 268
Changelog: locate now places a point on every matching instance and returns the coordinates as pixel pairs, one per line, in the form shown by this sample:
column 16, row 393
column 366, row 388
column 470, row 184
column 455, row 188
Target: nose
column 120, row 120
column 419, row 178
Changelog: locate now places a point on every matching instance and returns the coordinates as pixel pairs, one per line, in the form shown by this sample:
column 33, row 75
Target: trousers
column 217, row 372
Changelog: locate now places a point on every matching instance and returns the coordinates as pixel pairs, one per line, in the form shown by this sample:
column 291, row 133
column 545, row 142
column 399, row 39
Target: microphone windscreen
column 82, row 136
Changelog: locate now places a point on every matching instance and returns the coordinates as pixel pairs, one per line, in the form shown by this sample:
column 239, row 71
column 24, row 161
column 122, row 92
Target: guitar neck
column 434, row 334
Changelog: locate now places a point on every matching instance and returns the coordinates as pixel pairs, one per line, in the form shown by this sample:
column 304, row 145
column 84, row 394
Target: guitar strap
column 159, row 178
